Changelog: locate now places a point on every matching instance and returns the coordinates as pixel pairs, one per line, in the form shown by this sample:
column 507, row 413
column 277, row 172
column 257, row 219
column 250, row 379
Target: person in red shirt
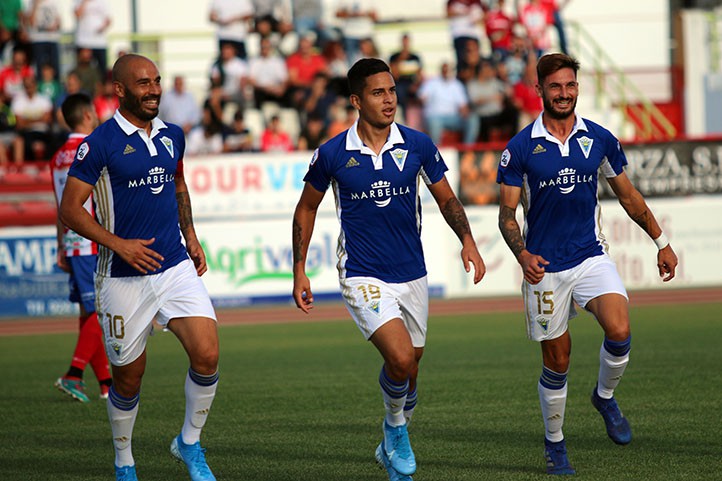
column 536, row 19
column 555, row 18
column 303, row 65
column 526, row 99
column 105, row 102
column 499, row 30
column 12, row 75
column 274, row 138
column 77, row 256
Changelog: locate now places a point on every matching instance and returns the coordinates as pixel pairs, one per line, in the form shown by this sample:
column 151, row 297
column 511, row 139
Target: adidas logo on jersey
column 352, row 163
column 128, row 149
column 538, row 149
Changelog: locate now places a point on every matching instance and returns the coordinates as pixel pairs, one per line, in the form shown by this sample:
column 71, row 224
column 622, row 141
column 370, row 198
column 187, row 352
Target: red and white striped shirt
column 75, row 244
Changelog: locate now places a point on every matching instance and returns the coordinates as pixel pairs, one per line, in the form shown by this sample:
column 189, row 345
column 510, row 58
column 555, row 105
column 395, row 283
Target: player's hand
column 195, row 251
column 62, row 261
column 140, row 257
column 470, row 255
column 667, row 263
column 532, row 266
column 302, row 294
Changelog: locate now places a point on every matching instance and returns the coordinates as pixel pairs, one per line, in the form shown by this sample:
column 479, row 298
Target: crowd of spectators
column 481, row 95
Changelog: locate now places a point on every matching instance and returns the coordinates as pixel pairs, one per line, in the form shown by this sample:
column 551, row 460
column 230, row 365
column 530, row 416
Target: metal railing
column 610, row 81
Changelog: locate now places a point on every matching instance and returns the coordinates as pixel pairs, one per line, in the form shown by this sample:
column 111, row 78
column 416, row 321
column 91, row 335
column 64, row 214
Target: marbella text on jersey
column 382, row 192
column 156, row 178
column 567, row 178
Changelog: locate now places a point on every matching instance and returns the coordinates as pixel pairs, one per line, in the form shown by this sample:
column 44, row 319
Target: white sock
column 552, row 388
column 200, row 391
column 394, row 395
column 122, row 412
column 611, row 369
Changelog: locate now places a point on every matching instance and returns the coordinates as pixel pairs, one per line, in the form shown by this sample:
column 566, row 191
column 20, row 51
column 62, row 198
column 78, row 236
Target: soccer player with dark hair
column 133, row 164
column 374, row 169
column 77, row 256
column 552, row 166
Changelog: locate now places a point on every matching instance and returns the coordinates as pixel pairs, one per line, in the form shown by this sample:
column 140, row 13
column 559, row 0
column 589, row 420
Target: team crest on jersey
column 585, row 143
column 82, row 151
column 505, row 158
column 375, row 307
column 543, row 322
column 116, row 347
column 399, row 156
column 168, row 144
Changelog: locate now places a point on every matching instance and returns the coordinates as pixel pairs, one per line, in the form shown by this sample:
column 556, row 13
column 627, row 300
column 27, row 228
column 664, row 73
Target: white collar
column 354, row 142
column 130, row 129
column 538, row 129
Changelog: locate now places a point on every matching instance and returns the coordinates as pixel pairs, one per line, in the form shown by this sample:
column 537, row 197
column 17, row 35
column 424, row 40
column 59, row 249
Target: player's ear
column 119, row 89
column 355, row 101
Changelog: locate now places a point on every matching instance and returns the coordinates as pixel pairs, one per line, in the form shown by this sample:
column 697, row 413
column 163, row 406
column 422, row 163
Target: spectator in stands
column 72, row 86
column 48, row 84
column 42, row 20
column 307, row 18
column 446, row 107
column 338, row 66
column 488, row 96
column 106, row 102
column 517, row 60
column 206, row 137
column 11, row 19
column 92, row 23
column 526, row 98
column 358, row 19
column 7, row 137
column 313, row 133
column 465, row 21
column 406, row 68
column 179, row 106
column 12, row 75
column 233, row 18
column 216, row 103
column 232, row 73
column 342, row 122
column 471, row 64
column 320, row 99
column 499, row 28
column 238, row 138
column 303, row 65
column 87, row 72
column 536, row 20
column 274, row 138
column 272, row 17
column 268, row 75
column 554, row 9
column 33, row 114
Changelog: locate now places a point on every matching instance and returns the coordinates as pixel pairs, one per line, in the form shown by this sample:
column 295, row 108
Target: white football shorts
column 549, row 305
column 126, row 307
column 373, row 302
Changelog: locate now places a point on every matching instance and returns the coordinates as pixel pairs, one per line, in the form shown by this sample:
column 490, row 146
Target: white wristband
column 662, row 241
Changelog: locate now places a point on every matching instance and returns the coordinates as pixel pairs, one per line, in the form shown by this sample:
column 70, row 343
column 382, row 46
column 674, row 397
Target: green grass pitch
column 301, row 402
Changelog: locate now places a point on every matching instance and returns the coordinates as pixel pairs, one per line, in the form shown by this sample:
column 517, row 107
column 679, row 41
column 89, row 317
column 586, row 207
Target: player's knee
column 402, row 366
column 618, row 333
column 205, row 362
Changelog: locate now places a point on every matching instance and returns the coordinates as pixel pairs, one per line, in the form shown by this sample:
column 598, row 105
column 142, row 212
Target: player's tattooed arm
column 298, row 250
column 185, row 216
column 455, row 216
column 510, row 230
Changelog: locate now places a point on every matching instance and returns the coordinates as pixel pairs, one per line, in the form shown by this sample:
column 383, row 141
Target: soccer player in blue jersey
column 375, row 168
column 133, row 164
column 552, row 166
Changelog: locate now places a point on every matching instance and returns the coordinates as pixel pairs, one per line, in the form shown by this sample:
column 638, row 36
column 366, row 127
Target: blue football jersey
column 377, row 200
column 559, row 188
column 134, row 193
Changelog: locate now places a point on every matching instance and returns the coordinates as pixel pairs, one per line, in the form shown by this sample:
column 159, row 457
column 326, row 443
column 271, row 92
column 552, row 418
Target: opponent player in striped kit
column 77, row 256
column 375, row 169
column 552, row 166
column 133, row 164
